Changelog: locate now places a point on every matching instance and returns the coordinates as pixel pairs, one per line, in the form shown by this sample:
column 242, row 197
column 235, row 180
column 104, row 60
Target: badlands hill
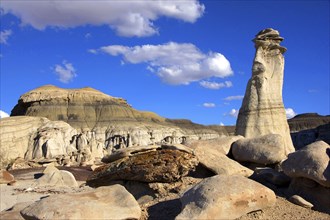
column 85, row 124
column 307, row 121
column 90, row 109
column 81, row 108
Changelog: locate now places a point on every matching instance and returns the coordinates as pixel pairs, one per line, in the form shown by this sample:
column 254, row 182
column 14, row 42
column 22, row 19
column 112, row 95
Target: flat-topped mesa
column 262, row 111
column 81, row 108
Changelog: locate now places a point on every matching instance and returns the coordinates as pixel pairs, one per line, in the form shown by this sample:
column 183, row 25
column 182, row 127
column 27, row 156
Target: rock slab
column 111, row 202
column 225, row 197
column 158, row 165
column 262, row 111
column 222, row 144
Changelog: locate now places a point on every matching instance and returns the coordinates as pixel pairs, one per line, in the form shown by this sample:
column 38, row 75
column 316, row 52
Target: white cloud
column 290, row 113
column 66, row 72
column 222, row 124
column 215, row 85
column 209, row 105
column 174, row 63
column 4, row 35
column 127, row 18
column 3, row 114
column 232, row 113
column 236, row 97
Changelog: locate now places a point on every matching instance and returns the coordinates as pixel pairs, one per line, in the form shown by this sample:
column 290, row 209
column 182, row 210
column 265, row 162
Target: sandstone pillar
column 262, row 111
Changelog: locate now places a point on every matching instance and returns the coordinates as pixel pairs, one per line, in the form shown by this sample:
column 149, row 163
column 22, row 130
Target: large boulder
column 111, row 202
column 311, row 162
column 267, row 149
column 211, row 154
column 262, row 111
column 225, row 197
column 153, row 164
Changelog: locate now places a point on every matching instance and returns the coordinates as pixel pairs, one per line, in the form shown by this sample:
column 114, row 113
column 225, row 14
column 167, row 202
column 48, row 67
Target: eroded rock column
column 262, row 111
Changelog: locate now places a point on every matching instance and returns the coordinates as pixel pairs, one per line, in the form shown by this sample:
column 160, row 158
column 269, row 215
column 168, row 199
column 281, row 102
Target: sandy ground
column 166, row 205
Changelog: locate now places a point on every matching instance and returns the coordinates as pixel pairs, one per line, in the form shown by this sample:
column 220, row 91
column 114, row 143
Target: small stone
column 6, row 177
column 300, row 201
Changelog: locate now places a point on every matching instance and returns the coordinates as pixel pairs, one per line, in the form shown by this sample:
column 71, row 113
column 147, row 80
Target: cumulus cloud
column 66, row 72
column 4, row 35
column 127, row 18
column 174, row 63
column 222, row 124
column 215, row 85
column 233, row 113
column 3, row 114
column 236, row 97
column 209, row 105
column 290, row 113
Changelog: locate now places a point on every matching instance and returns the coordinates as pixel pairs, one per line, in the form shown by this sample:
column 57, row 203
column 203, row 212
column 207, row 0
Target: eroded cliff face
column 111, row 120
column 83, row 125
column 16, row 135
column 262, row 111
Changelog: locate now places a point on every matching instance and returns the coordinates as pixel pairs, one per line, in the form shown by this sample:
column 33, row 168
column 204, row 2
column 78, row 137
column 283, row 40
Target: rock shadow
column 166, row 210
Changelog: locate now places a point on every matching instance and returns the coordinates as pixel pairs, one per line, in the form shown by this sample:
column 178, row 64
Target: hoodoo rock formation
column 262, row 111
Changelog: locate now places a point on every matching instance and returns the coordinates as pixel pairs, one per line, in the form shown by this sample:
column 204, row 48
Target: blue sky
column 180, row 59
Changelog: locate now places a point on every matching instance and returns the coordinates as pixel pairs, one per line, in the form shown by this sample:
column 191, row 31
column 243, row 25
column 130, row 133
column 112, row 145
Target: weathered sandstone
column 267, row 149
column 111, row 202
column 225, row 197
column 80, row 126
column 55, row 178
column 152, row 164
column 262, row 111
column 311, row 162
column 211, row 154
column 112, row 121
column 17, row 134
column 222, row 144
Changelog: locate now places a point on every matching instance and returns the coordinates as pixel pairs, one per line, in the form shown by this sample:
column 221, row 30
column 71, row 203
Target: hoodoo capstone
column 262, row 111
